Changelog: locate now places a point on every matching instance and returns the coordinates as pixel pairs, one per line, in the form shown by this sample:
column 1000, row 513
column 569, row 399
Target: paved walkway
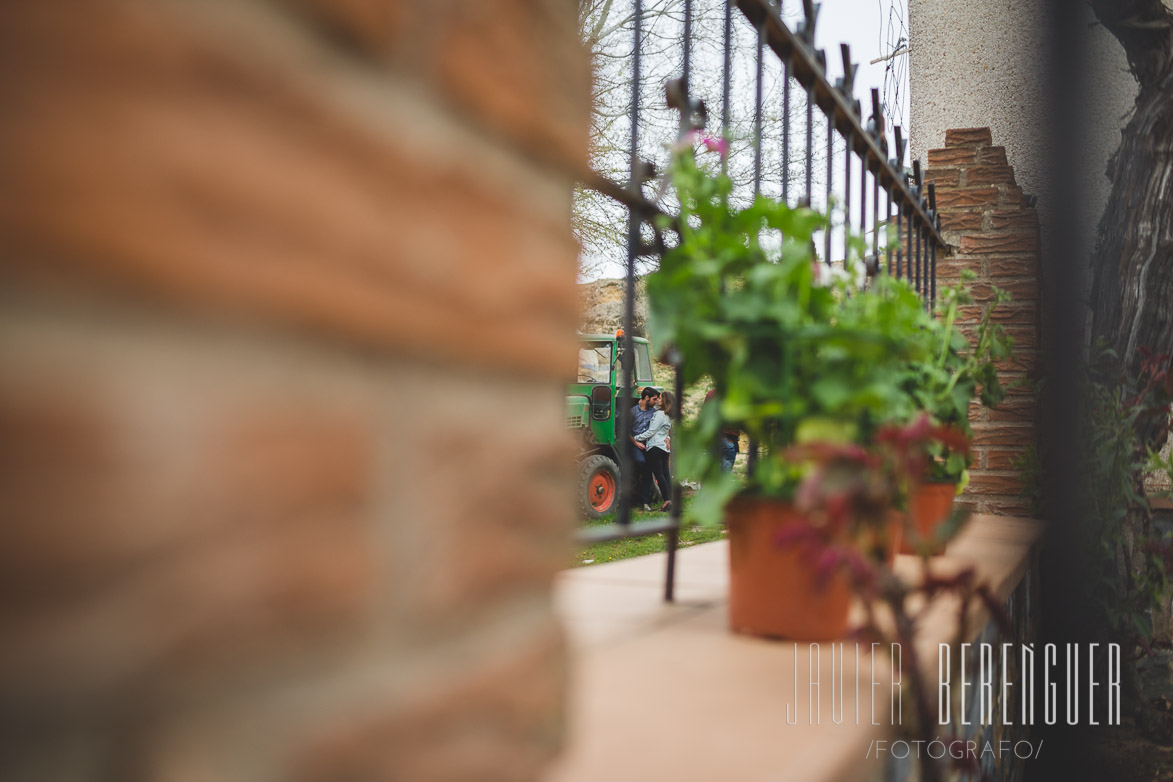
column 666, row 692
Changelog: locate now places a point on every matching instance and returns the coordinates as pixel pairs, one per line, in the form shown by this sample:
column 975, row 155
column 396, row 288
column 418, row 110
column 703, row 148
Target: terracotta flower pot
column 773, row 590
column 930, row 504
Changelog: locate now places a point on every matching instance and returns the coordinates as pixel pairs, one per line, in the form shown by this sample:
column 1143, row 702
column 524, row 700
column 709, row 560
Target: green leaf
column 708, row 506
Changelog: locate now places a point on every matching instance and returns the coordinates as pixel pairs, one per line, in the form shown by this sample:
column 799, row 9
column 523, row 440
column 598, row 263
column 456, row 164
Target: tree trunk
column 1132, row 295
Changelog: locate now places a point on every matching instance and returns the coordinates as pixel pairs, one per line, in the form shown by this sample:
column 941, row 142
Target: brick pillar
column 287, row 302
column 992, row 232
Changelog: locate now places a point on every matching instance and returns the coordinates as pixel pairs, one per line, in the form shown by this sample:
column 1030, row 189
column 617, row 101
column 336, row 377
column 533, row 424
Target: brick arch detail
column 994, row 232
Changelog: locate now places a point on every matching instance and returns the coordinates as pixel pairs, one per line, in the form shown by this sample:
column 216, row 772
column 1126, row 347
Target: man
column 641, row 416
column 730, row 440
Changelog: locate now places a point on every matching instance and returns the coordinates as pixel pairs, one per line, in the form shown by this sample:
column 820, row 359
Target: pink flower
column 718, row 145
column 694, row 137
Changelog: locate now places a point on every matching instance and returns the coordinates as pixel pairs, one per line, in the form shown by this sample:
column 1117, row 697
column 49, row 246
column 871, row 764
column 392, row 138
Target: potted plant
column 805, row 364
column 952, row 372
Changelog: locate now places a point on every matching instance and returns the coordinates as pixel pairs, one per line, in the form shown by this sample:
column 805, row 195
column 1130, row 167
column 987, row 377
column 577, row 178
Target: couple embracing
column 651, row 430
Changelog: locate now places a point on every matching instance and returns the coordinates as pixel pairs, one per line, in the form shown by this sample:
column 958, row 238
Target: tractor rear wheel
column 598, row 487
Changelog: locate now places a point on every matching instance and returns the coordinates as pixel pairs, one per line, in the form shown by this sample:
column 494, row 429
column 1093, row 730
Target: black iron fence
column 908, row 210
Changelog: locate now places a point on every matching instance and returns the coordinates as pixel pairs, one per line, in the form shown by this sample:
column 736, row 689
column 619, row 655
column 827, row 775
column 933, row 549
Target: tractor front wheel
column 598, row 482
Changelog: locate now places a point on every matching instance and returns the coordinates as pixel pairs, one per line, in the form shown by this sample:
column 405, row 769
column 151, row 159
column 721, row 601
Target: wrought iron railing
column 908, row 204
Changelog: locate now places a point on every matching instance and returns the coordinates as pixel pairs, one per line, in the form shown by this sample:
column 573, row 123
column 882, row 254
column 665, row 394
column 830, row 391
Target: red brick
column 961, row 136
column 498, row 716
column 992, row 156
column 1010, row 196
column 947, row 277
column 521, row 539
column 192, row 537
column 1020, row 386
column 518, row 65
column 1024, row 337
column 961, row 221
column 943, row 177
column 1022, row 292
column 518, row 68
column 1005, row 458
column 1003, row 435
column 1018, row 316
column 989, row 483
column 136, row 489
column 1014, row 220
column 989, row 175
column 372, row 24
column 1022, row 267
column 228, row 186
column 1007, row 505
column 967, row 197
column 952, row 157
column 1015, row 409
column 999, row 243
column 1024, row 361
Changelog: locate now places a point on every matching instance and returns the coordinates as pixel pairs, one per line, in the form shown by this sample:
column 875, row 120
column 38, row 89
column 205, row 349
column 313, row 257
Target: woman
column 655, row 437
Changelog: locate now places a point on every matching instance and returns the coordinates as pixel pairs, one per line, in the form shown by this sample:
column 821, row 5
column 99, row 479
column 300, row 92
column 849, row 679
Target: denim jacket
column 656, row 435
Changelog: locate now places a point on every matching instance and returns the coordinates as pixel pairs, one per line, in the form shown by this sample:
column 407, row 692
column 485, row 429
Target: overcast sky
column 873, row 29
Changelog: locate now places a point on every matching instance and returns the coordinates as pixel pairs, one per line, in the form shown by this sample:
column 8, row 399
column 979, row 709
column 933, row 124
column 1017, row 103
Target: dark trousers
column 658, row 463
column 642, row 476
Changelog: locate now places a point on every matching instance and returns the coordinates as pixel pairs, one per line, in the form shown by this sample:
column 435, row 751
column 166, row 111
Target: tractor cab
column 593, row 403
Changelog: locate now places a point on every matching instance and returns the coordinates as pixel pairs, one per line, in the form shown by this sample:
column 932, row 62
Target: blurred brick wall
column 996, row 235
column 287, row 297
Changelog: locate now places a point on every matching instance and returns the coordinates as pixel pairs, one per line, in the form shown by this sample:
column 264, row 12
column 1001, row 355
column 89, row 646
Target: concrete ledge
column 667, row 692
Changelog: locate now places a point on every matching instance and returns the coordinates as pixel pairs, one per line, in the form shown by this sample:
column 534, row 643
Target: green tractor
column 593, row 405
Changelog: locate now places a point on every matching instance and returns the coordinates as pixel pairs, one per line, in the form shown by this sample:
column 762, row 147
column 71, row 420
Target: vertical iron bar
column 863, row 201
column 810, row 141
column 757, row 117
column 846, row 200
column 876, row 222
column 924, row 260
column 933, row 246
column 830, row 183
column 786, row 131
column 751, row 461
column 900, row 275
column 672, row 538
column 933, row 276
column 908, row 249
column 627, row 366
column 920, row 279
column 888, row 229
column 727, row 68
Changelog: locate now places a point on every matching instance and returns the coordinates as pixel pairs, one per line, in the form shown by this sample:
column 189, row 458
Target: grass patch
column 627, row 548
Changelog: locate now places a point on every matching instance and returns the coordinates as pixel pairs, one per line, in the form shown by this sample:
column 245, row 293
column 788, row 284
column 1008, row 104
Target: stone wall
column 602, row 301
column 287, row 300
column 993, row 233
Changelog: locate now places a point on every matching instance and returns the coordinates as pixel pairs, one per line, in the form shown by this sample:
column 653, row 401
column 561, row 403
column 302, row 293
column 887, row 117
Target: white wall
column 978, row 63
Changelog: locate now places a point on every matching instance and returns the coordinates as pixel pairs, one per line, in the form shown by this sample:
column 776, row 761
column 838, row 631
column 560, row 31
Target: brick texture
column 287, row 303
column 261, row 191
column 994, row 235
column 506, row 63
